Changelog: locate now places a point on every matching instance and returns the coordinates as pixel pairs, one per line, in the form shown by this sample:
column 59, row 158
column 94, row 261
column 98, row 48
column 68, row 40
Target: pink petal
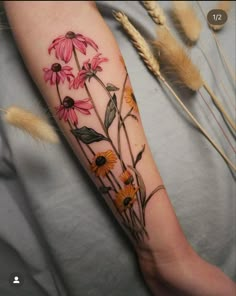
column 73, row 116
column 83, row 111
column 53, row 78
column 68, row 50
column 67, row 114
column 61, row 113
column 86, row 65
column 94, row 61
column 69, row 77
column 79, row 45
column 66, row 68
column 83, row 104
column 61, row 49
column 55, row 43
column 91, row 43
column 48, row 75
column 58, row 78
column 61, row 76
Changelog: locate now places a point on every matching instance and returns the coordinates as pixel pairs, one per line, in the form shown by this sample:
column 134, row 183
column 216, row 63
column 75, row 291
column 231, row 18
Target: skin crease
column 168, row 263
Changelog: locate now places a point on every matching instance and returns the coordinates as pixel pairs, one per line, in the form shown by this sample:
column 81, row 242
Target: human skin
column 169, row 264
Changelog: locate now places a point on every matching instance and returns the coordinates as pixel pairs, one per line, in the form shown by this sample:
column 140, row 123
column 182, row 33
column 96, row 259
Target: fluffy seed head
column 188, row 20
column 175, row 58
column 30, row 123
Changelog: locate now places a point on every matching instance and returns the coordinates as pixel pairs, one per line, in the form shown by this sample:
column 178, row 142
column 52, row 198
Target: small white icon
column 16, row 280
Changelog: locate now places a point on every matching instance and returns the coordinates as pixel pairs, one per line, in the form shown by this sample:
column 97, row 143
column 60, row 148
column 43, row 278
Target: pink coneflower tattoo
column 65, row 44
column 67, row 109
column 89, row 69
column 57, row 74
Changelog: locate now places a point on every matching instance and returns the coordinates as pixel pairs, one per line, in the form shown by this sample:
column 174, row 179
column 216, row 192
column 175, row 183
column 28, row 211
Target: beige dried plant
column 35, row 126
column 155, row 12
column 140, row 44
column 148, row 57
column 174, row 55
column 186, row 16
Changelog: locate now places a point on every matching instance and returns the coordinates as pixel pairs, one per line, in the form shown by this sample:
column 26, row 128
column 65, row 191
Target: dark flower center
column 100, row 160
column 70, row 35
column 126, row 201
column 68, row 102
column 56, row 67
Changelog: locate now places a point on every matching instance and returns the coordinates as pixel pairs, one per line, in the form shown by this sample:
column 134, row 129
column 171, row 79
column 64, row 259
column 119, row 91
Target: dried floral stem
column 214, row 71
column 228, row 66
column 144, row 51
column 120, row 108
column 218, row 123
column 58, row 93
column 198, row 124
column 155, row 11
column 219, row 106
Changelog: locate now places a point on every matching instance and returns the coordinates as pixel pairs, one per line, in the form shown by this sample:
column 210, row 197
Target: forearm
column 102, row 124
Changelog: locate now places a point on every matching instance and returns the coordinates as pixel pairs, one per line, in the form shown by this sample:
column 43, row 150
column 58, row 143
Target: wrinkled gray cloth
column 55, row 228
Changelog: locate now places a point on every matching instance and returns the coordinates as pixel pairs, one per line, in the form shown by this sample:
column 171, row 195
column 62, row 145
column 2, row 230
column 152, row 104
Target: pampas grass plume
column 173, row 55
column 188, row 20
column 30, row 123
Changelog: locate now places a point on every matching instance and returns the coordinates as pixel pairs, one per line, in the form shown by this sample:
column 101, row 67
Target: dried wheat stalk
column 145, row 52
column 155, row 12
column 30, row 123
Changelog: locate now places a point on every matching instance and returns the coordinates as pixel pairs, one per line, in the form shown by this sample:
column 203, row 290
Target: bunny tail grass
column 139, row 42
column 144, row 51
column 155, row 12
column 188, row 20
column 223, row 5
column 30, row 123
column 173, row 55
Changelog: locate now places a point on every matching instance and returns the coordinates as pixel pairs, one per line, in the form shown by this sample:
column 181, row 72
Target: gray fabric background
column 54, row 227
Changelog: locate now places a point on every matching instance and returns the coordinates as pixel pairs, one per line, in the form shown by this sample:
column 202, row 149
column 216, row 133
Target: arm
column 80, row 73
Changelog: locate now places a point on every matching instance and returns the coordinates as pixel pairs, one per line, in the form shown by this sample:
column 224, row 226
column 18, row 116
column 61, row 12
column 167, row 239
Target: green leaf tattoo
column 110, row 112
column 139, row 156
column 88, row 135
column 111, row 87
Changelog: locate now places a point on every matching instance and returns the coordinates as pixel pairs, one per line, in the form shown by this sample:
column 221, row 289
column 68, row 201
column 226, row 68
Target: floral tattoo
column 127, row 191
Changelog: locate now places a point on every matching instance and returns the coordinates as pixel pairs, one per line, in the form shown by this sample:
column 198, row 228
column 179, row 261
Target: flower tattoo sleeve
column 126, row 190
